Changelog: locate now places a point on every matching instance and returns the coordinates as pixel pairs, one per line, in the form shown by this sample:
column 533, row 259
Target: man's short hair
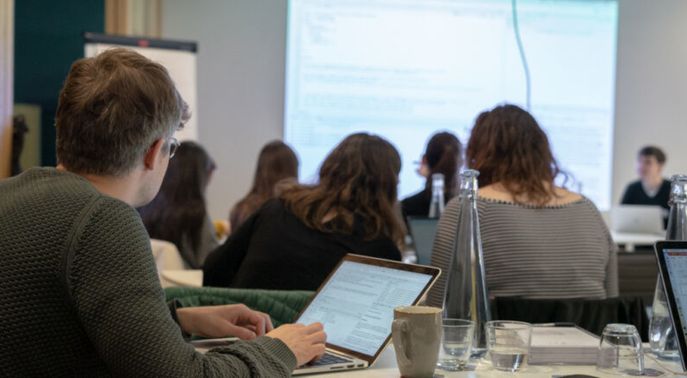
column 655, row 152
column 111, row 110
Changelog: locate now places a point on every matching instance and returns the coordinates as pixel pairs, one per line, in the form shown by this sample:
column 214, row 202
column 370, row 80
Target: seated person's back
column 282, row 253
column 552, row 251
column 178, row 213
column 442, row 155
column 277, row 164
column 44, row 214
column 539, row 241
column 78, row 285
column 295, row 241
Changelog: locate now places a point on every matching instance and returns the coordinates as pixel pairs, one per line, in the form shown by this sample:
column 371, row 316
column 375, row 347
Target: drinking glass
column 456, row 344
column 508, row 343
column 620, row 350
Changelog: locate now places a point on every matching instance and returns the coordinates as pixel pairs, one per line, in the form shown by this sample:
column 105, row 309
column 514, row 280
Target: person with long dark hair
column 540, row 240
column 442, row 155
column 277, row 162
column 178, row 213
column 294, row 241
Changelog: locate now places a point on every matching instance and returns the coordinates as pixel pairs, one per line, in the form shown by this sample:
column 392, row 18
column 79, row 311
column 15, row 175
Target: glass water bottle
column 466, row 296
column 661, row 332
column 436, row 207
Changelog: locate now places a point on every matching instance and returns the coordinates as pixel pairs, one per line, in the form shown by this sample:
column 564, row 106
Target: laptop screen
column 423, row 231
column 676, row 262
column 357, row 304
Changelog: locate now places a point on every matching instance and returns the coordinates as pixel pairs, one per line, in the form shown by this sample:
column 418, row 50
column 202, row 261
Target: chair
column 171, row 268
column 283, row 306
column 590, row 314
column 182, row 278
column 637, row 274
column 166, row 255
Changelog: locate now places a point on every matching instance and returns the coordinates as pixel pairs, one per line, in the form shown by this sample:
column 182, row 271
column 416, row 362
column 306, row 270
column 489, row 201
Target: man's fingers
column 260, row 324
column 254, row 320
column 313, row 328
column 240, row 332
column 317, row 337
column 268, row 322
column 319, row 350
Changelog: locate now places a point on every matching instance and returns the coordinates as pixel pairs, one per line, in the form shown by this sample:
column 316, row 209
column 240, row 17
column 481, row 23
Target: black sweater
column 417, row 205
column 635, row 195
column 275, row 250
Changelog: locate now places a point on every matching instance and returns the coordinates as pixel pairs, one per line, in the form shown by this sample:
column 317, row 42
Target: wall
column 47, row 41
column 651, row 86
column 241, row 83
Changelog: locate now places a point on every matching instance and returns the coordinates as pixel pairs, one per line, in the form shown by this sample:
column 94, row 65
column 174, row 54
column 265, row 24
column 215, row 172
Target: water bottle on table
column 661, row 332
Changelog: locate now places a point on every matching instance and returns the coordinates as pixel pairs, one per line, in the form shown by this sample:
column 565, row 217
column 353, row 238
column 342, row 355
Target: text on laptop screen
column 357, row 304
column 676, row 262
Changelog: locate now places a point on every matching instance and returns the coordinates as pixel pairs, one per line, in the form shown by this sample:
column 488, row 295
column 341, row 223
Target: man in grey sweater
column 78, row 286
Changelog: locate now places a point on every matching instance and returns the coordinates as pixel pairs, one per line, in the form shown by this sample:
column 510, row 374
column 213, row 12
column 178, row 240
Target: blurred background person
column 442, row 155
column 540, row 241
column 277, row 162
column 294, row 241
column 178, row 213
column 651, row 188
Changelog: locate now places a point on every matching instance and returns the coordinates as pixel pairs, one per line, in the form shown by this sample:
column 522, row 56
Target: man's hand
column 306, row 342
column 224, row 321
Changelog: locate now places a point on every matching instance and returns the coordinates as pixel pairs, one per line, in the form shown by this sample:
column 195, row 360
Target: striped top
column 550, row 252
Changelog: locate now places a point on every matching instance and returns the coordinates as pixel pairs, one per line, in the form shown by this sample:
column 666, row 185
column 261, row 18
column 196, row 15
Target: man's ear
column 150, row 159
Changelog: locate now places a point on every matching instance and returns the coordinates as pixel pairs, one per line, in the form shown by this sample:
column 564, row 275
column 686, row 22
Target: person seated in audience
column 442, row 155
column 651, row 188
column 80, row 292
column 178, row 213
column 294, row 241
column 540, row 240
column 277, row 163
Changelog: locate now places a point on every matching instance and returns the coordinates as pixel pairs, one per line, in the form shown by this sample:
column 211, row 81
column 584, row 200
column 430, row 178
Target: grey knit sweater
column 79, row 294
column 549, row 252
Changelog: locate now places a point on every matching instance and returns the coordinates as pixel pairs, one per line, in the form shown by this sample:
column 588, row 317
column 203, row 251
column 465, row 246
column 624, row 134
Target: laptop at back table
column 422, row 230
column 672, row 264
column 356, row 305
column 637, row 219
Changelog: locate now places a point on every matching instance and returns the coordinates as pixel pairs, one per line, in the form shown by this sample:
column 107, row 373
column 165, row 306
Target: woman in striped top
column 540, row 241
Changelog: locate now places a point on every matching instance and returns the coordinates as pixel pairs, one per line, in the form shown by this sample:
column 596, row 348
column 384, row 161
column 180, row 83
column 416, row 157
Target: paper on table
column 543, row 337
column 565, row 345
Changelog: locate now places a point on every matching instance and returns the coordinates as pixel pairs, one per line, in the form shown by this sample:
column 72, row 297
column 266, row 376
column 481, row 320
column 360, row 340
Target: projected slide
column 405, row 69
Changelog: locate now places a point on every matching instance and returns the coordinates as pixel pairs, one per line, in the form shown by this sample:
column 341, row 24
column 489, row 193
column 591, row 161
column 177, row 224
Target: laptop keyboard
column 329, row 359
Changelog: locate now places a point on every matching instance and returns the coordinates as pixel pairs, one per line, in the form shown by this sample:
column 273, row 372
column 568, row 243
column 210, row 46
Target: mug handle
column 400, row 327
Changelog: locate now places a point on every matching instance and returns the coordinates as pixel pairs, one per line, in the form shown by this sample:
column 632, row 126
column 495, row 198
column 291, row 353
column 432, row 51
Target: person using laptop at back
column 652, row 188
column 79, row 290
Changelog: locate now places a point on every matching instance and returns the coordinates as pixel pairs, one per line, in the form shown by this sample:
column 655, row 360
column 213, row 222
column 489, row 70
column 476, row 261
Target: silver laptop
column 356, row 305
column 637, row 219
column 422, row 230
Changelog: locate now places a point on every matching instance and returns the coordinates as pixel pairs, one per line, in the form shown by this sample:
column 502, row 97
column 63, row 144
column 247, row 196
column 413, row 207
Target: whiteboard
column 178, row 57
